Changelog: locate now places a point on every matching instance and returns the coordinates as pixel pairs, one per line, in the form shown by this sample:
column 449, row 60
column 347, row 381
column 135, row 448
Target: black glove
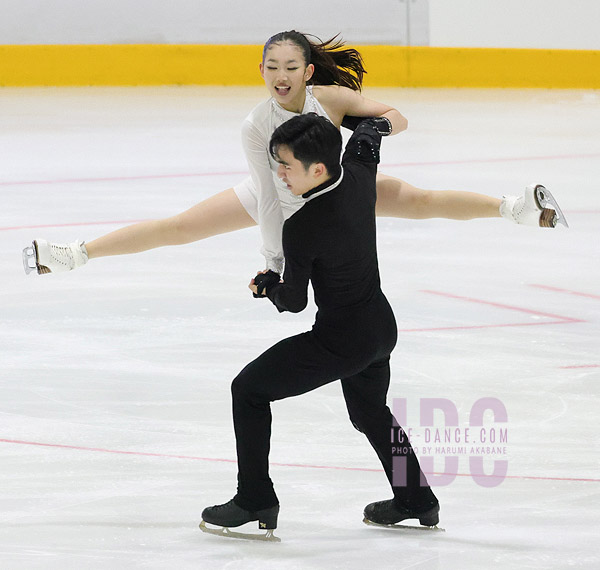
column 264, row 281
column 382, row 124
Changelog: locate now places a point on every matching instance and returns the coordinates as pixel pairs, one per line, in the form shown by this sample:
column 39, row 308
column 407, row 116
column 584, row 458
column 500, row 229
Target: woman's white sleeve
column 270, row 214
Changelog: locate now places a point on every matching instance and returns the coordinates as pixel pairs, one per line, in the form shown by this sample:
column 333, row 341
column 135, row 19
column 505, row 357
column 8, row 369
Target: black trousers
column 359, row 357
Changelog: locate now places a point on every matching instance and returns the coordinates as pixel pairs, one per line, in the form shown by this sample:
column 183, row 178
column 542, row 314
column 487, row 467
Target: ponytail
column 334, row 64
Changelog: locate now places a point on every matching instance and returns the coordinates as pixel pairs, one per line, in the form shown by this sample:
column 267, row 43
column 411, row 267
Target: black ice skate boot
column 231, row 515
column 389, row 513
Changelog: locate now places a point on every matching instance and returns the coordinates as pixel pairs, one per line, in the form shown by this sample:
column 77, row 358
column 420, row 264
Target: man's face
column 299, row 180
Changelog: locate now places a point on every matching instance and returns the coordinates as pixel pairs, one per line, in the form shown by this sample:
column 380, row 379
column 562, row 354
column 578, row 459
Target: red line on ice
column 580, row 366
column 121, row 178
column 561, row 319
column 245, row 173
column 303, row 466
column 470, row 327
column 499, row 159
column 74, row 224
column 569, row 291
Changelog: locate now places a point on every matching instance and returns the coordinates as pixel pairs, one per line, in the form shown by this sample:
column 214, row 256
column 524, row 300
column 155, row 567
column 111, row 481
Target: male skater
column 331, row 242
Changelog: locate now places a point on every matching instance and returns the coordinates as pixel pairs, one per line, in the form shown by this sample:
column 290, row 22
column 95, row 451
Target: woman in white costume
column 301, row 76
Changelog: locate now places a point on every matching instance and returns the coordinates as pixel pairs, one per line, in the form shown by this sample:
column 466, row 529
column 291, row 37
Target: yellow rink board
column 387, row 66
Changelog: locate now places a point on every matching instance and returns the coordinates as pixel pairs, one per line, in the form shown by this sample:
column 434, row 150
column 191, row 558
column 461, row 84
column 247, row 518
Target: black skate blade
column 226, row 532
column 30, row 258
column 544, row 199
column 398, row 526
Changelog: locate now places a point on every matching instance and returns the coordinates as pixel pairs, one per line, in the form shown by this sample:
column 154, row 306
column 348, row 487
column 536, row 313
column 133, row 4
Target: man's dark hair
column 311, row 138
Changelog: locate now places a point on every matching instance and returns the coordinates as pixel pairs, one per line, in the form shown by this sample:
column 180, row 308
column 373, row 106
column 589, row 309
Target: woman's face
column 285, row 73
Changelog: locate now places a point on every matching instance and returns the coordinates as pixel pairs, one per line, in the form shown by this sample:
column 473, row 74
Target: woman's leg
column 399, row 199
column 218, row 214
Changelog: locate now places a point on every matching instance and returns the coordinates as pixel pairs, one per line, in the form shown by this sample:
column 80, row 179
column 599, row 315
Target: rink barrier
column 388, row 66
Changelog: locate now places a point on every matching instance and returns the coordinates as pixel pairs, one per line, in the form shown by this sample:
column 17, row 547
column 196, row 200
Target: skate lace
column 519, row 207
column 223, row 506
column 62, row 254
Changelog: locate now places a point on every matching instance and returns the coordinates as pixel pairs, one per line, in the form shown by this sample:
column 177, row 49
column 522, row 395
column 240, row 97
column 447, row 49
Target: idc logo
column 440, row 438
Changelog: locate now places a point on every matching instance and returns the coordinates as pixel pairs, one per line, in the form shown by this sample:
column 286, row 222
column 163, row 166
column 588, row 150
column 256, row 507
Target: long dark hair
column 334, row 64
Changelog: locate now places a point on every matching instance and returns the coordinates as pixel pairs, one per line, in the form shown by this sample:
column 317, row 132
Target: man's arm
column 364, row 144
column 291, row 294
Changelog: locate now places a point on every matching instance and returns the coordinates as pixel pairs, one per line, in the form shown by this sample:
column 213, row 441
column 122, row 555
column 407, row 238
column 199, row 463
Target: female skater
column 301, row 77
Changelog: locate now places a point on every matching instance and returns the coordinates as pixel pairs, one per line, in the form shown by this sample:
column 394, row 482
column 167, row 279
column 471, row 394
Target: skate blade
column 544, row 198
column 30, row 258
column 398, row 526
column 224, row 531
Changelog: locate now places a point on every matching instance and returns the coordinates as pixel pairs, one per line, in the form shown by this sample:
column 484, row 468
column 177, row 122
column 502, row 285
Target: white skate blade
column 30, row 258
column 544, row 199
column 399, row 526
column 224, row 531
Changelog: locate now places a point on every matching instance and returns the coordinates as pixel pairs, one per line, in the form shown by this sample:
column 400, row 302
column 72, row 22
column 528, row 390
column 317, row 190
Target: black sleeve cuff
column 265, row 281
column 382, row 124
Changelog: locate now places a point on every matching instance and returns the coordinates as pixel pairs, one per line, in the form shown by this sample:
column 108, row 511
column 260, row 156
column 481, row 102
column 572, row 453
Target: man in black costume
column 330, row 241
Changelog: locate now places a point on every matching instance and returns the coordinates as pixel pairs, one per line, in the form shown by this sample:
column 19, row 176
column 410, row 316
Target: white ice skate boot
column 54, row 257
column 536, row 207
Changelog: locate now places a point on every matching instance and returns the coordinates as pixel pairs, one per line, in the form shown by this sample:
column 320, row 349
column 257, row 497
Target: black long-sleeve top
column 331, row 240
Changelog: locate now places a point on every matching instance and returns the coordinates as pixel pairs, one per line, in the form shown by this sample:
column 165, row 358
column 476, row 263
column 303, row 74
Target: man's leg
column 292, row 367
column 365, row 395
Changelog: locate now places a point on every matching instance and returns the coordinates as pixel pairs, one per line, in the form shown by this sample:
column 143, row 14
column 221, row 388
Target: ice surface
column 115, row 425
